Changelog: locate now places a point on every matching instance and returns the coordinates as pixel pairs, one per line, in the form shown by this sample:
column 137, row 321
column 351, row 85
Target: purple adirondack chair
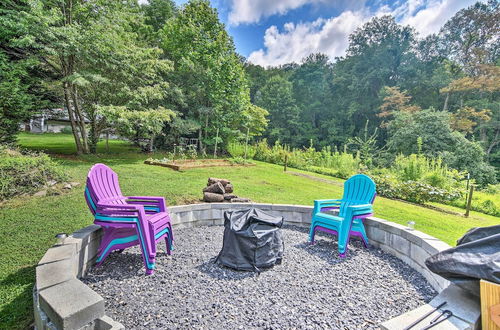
column 126, row 220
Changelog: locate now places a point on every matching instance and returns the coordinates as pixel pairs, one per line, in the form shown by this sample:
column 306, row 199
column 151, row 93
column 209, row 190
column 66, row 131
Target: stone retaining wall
column 62, row 301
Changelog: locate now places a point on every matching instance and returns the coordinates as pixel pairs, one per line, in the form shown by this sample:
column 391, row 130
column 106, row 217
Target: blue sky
column 274, row 32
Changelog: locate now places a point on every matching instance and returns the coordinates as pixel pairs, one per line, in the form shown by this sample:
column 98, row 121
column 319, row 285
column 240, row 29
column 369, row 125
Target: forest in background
column 155, row 73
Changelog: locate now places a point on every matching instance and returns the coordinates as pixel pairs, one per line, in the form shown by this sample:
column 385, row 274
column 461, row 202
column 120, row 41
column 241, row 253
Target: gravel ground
column 311, row 289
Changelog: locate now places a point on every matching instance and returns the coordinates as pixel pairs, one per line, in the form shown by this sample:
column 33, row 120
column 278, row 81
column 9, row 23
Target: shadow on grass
column 17, row 313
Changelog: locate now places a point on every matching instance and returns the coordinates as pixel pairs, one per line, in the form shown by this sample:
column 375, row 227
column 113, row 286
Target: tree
column 395, row 100
column 380, row 53
column 208, row 71
column 158, row 12
column 276, row 96
column 471, row 35
column 97, row 57
column 312, row 92
column 137, row 125
column 21, row 85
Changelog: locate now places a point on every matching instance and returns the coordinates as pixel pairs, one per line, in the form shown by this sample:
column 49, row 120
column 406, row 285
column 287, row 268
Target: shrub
column 413, row 191
column 237, row 150
column 25, row 172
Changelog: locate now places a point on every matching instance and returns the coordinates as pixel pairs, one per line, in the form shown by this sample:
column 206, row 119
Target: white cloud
column 330, row 36
column 251, row 11
column 433, row 16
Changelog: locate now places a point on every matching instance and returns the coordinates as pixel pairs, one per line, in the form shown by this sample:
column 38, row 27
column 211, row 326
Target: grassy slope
column 29, row 224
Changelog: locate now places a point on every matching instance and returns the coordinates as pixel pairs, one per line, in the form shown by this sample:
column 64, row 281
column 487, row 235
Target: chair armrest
column 360, row 209
column 148, row 200
column 321, row 203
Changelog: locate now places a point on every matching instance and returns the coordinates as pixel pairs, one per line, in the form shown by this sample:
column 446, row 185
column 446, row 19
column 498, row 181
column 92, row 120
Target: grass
column 30, row 223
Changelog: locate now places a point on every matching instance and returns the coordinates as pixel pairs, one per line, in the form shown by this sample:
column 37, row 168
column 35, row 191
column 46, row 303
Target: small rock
column 40, row 193
column 51, row 183
column 74, row 184
column 67, row 186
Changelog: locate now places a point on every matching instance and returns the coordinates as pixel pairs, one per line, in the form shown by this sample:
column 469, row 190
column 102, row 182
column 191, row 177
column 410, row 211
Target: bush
column 237, row 150
column 413, row 191
column 340, row 164
column 25, row 172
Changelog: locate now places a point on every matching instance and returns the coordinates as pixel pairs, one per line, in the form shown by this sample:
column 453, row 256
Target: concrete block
column 200, row 206
column 402, row 321
column 198, row 215
column 464, row 305
column 307, row 218
column 417, row 237
column 294, row 217
column 56, row 253
column 186, row 216
column 179, row 208
column 433, row 245
column 216, row 214
column 71, row 304
column 218, row 222
column 418, row 254
column 262, row 206
column 54, row 273
column 91, row 232
column 393, row 228
column 222, row 206
column 107, row 323
column 376, row 234
column 400, row 243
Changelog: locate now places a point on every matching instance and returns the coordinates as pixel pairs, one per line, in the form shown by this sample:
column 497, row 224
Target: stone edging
column 62, row 301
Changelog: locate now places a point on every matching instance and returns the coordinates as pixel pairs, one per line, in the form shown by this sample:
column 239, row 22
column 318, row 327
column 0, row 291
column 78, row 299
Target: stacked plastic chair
column 127, row 220
column 356, row 204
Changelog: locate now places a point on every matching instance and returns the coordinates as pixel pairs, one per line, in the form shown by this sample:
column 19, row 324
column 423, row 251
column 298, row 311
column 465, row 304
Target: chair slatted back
column 102, row 185
column 358, row 189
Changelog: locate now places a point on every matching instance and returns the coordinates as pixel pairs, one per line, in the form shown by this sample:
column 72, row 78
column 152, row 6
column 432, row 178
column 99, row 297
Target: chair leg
column 343, row 237
column 363, row 234
column 312, row 233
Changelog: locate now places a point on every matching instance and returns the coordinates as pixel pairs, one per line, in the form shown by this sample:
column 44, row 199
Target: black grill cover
column 252, row 240
column 476, row 256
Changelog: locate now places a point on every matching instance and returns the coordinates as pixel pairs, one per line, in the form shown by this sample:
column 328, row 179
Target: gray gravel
column 311, row 289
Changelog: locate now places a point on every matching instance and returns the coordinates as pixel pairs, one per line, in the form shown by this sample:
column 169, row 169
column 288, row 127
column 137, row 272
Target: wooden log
column 213, row 198
column 214, row 180
column 240, row 200
column 228, row 197
column 216, row 188
column 229, row 188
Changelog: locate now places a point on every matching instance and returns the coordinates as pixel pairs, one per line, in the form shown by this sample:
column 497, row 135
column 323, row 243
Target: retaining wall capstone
column 62, row 301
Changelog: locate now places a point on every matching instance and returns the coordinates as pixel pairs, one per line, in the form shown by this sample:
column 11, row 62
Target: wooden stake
column 469, row 201
column 286, row 162
column 246, row 143
column 216, row 139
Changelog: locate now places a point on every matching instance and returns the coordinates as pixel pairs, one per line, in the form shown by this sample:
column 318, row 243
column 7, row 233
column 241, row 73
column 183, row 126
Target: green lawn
column 29, row 224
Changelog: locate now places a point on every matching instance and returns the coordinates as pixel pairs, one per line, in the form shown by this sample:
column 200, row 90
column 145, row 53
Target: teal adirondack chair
column 356, row 204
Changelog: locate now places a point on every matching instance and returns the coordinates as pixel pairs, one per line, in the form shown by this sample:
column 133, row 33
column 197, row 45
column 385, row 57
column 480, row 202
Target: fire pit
column 312, row 287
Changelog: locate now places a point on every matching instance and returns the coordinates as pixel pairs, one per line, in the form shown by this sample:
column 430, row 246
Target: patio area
column 312, row 287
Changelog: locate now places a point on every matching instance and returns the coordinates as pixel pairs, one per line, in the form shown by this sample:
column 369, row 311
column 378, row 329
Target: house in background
column 50, row 121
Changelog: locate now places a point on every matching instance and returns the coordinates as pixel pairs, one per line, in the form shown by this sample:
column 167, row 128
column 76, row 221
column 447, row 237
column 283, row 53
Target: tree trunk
column 445, row 107
column 81, row 119
column 71, row 116
column 151, row 143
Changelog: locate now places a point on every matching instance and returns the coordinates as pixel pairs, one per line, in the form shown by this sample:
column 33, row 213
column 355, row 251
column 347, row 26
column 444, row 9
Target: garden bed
column 186, row 164
column 313, row 287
